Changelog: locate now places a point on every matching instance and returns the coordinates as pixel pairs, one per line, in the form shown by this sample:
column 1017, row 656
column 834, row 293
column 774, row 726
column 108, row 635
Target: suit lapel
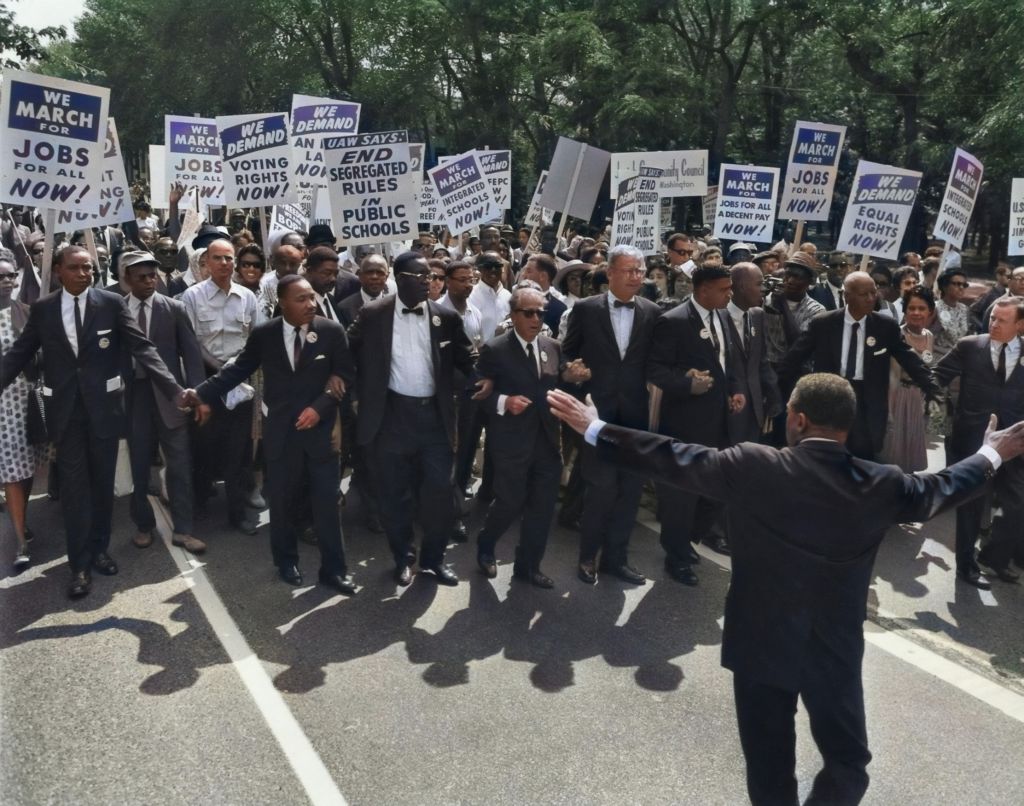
column 308, row 345
column 434, row 321
column 58, row 314
column 606, row 323
column 91, row 305
column 638, row 320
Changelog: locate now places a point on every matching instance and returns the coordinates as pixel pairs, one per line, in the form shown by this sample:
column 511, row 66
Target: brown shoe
column 143, row 540
column 189, row 543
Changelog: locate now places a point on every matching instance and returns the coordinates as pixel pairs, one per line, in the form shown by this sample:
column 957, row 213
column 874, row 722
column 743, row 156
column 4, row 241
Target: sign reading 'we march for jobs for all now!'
column 811, row 173
column 193, row 156
column 53, row 134
column 878, row 211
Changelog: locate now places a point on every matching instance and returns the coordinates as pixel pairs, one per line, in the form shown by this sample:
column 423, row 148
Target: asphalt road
column 181, row 682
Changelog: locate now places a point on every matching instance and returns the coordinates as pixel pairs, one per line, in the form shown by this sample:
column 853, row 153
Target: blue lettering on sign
column 62, row 113
column 816, row 147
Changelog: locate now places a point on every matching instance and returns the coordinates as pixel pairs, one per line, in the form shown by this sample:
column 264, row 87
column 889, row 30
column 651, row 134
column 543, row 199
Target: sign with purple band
column 811, row 173
column 464, row 194
column 958, row 201
column 192, row 148
column 313, row 119
column 257, row 154
column 53, row 133
column 878, row 211
column 746, row 203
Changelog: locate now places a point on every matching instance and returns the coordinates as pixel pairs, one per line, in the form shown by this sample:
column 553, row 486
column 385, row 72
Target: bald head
column 746, row 285
column 860, row 293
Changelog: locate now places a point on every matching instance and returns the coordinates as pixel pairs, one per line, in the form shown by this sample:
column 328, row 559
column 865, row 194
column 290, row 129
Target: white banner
column 958, row 202
column 878, row 211
column 683, row 173
column 746, row 203
column 538, row 215
column 1015, row 244
column 256, row 159
column 53, row 133
column 313, row 119
column 193, row 157
column 463, row 192
column 497, row 166
column 115, row 198
column 811, row 172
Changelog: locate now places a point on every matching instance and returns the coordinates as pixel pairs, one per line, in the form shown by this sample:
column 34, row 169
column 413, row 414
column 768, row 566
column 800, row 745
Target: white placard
column 878, row 211
column 115, row 196
column 684, row 173
column 1015, row 243
column 746, row 203
column 958, row 201
column 811, row 172
column 256, row 158
column 192, row 152
column 463, row 193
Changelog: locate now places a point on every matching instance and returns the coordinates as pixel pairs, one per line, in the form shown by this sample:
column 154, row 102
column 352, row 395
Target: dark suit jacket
column 677, row 346
column 756, row 380
column 370, row 338
column 286, row 392
column 346, row 285
column 95, row 373
column 822, row 342
column 981, row 393
column 823, row 295
column 553, row 310
column 348, row 309
column 171, row 332
column 806, row 525
column 504, row 361
column 618, row 385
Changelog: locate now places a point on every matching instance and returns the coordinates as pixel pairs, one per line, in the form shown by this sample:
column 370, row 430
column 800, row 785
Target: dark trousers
column 146, row 429
column 469, row 425
column 685, row 519
column 610, row 503
column 357, row 457
column 86, row 464
column 1007, row 534
column 834, row 699
column 860, row 442
column 527, row 486
column 412, row 448
column 293, row 475
column 572, row 496
column 221, row 448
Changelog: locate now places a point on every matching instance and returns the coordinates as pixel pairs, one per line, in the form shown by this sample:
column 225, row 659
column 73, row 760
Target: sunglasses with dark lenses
column 489, row 266
column 532, row 313
column 438, row 277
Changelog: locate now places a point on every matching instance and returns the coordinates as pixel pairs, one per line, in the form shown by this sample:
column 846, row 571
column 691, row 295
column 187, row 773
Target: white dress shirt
column 367, row 299
column 709, row 319
column 67, row 313
column 472, row 321
column 848, row 321
column 325, row 305
column 494, row 306
column 412, row 361
column 622, row 322
column 1012, row 355
column 736, row 313
column 502, row 399
column 289, row 340
column 134, row 304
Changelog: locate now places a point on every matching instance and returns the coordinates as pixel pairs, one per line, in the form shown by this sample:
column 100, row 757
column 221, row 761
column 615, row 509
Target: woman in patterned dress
column 18, row 459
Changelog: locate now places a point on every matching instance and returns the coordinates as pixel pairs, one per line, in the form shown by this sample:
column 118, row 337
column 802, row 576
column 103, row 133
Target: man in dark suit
column 523, row 366
column 406, row 350
column 306, row 364
column 991, row 380
column 831, row 293
column 542, row 269
column 153, row 418
column 692, row 362
column 756, row 378
column 373, row 278
column 323, row 276
column 856, row 342
column 83, row 332
column 797, row 600
column 606, row 349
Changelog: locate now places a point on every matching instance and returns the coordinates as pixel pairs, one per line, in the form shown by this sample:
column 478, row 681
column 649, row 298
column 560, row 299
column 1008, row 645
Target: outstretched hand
column 570, row 411
column 1008, row 443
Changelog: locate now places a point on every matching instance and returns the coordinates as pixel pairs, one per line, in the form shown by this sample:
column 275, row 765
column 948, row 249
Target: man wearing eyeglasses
column 678, row 251
column 407, row 349
column 489, row 296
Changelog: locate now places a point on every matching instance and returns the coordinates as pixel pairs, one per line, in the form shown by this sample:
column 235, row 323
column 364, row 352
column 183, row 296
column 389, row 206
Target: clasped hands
column 188, row 400
column 701, row 383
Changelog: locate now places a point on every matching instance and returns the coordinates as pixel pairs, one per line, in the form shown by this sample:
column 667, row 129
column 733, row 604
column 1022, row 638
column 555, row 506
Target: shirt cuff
column 501, row 404
column 992, row 455
column 590, row 435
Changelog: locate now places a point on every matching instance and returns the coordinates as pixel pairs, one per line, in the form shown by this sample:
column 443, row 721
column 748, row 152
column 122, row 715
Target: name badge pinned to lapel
column 104, row 343
column 1021, row 361
column 543, row 356
column 311, row 337
column 753, row 331
column 704, row 334
column 927, row 356
column 436, row 321
column 870, row 341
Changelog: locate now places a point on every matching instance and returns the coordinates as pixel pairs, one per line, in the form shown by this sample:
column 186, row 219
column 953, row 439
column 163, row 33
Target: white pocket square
column 881, row 352
column 444, row 344
column 319, row 357
column 102, row 332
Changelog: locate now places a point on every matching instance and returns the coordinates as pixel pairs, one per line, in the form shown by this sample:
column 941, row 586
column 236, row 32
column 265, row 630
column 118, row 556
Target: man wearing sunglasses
column 678, row 253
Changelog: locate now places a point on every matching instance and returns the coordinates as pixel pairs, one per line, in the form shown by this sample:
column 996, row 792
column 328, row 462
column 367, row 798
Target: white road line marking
column 309, row 768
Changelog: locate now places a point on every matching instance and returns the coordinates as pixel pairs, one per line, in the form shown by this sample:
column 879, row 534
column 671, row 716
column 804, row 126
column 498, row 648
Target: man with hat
column 153, row 418
column 767, row 262
column 830, row 294
column 740, row 252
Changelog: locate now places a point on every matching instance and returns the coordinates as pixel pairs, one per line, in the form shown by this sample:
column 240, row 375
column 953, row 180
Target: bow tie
column 621, row 304
column 417, row 311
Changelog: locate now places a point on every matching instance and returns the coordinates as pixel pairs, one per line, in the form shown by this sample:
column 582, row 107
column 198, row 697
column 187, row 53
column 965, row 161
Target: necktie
column 417, row 311
column 714, row 335
column 746, row 329
column 533, row 358
column 620, row 304
column 296, row 348
column 139, row 371
column 1001, row 366
column 78, row 324
column 841, row 302
column 851, row 352
column 326, row 308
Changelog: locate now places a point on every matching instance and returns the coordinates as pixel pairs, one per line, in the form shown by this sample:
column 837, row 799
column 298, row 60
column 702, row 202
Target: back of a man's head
column 827, row 401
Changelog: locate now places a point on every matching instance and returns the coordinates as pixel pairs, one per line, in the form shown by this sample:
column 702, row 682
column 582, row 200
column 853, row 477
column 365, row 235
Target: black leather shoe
column 693, row 555
column 443, row 574
column 972, row 576
column 459, row 533
column 374, row 525
column 626, row 574
column 1004, row 573
column 341, row 583
column 244, row 525
column 104, row 564
column 535, row 578
column 587, row 573
column 403, row 575
column 290, row 574
column 681, row 573
column 81, row 584
column 718, row 544
column 488, row 566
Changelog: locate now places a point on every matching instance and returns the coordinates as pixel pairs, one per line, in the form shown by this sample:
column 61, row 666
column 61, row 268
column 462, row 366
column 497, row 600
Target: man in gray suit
column 152, row 417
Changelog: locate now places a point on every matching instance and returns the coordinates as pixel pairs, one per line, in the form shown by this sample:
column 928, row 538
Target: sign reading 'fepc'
column 53, row 136
column 811, row 173
column 879, row 209
column 193, row 156
column 746, row 203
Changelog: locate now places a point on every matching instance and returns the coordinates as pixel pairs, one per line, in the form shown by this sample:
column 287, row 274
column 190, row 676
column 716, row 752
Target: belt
column 415, row 401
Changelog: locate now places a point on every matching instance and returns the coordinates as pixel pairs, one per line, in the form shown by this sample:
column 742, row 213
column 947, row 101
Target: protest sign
column 537, row 215
column 115, row 197
column 709, row 204
column 190, row 224
column 371, row 187
column 624, row 216
column 665, row 216
column 746, row 203
column 958, row 202
column 290, row 218
column 193, row 157
column 1015, row 245
column 811, row 172
column 463, row 192
column 574, row 180
column 497, row 166
column 637, row 211
column 256, row 159
column 53, row 134
column 313, row 119
column 879, row 208
column 683, row 173
column 320, row 207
